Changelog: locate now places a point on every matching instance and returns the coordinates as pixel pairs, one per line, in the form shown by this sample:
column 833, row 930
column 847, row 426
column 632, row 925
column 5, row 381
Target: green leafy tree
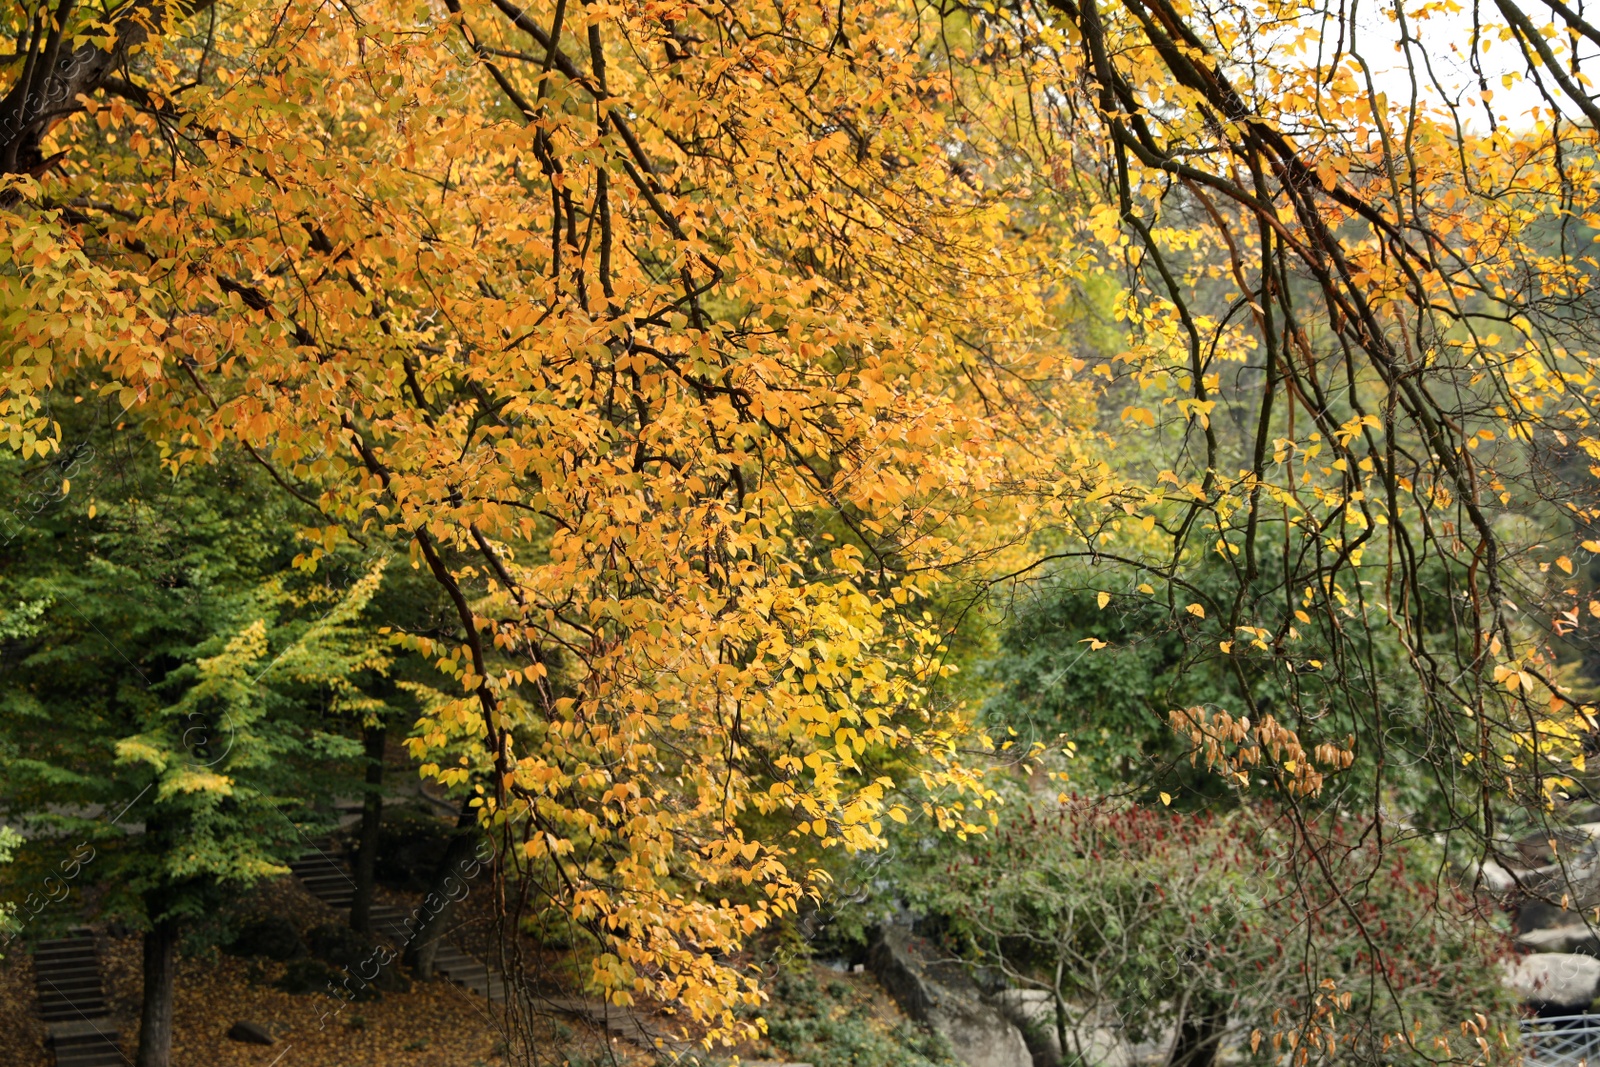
column 173, row 690
column 1103, row 666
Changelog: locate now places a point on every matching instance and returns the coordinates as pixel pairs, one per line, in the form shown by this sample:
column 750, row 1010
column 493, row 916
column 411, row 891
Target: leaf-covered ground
column 435, row 1024
column 816, row 1015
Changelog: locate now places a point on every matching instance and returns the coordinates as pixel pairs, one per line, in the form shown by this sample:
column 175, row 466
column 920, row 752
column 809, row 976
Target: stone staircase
column 330, row 881
column 72, row 1002
column 325, row 877
column 449, row 960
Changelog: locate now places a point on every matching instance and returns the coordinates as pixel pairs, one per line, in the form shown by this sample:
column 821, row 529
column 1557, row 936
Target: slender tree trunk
column 155, row 1028
column 449, row 885
column 373, row 738
column 1061, row 1015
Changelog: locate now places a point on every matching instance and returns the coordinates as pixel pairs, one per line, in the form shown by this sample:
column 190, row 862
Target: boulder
column 943, row 997
column 1571, row 937
column 1542, row 846
column 1492, row 877
column 1092, row 1037
column 250, row 1033
column 1555, row 980
column 1033, row 1011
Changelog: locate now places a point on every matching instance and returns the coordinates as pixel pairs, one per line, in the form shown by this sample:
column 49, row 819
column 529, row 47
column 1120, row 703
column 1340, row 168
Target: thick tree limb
column 51, row 81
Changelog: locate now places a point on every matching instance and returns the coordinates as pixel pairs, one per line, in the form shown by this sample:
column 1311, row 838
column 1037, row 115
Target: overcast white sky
column 1445, row 37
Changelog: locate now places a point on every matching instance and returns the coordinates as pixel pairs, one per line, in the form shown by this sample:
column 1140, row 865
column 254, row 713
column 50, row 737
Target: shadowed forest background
column 853, row 534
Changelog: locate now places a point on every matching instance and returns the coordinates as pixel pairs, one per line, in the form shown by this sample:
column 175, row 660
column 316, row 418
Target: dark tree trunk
column 459, row 866
column 1199, row 1034
column 373, row 739
column 155, row 1027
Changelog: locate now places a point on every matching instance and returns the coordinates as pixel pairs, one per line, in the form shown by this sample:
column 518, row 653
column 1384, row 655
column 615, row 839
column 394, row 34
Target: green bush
column 271, row 936
column 837, row 1027
column 354, row 955
column 305, row 976
column 1226, row 924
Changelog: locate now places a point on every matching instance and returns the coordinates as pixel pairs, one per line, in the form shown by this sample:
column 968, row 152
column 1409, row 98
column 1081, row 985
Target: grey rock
column 1492, row 877
column 943, row 997
column 1555, row 979
column 1573, row 937
column 250, row 1033
column 1033, row 1011
column 1093, row 1037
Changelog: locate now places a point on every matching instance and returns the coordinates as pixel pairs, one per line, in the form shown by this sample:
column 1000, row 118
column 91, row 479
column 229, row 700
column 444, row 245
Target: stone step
column 54, row 1012
column 68, row 969
column 79, row 937
column 103, row 1055
column 330, row 881
column 450, row 956
column 56, row 945
column 477, row 980
column 75, row 987
column 323, row 878
column 93, row 1039
column 79, row 1030
column 72, row 1000
column 55, row 991
column 325, row 858
column 616, row 1020
column 65, row 968
column 313, row 863
column 319, row 883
